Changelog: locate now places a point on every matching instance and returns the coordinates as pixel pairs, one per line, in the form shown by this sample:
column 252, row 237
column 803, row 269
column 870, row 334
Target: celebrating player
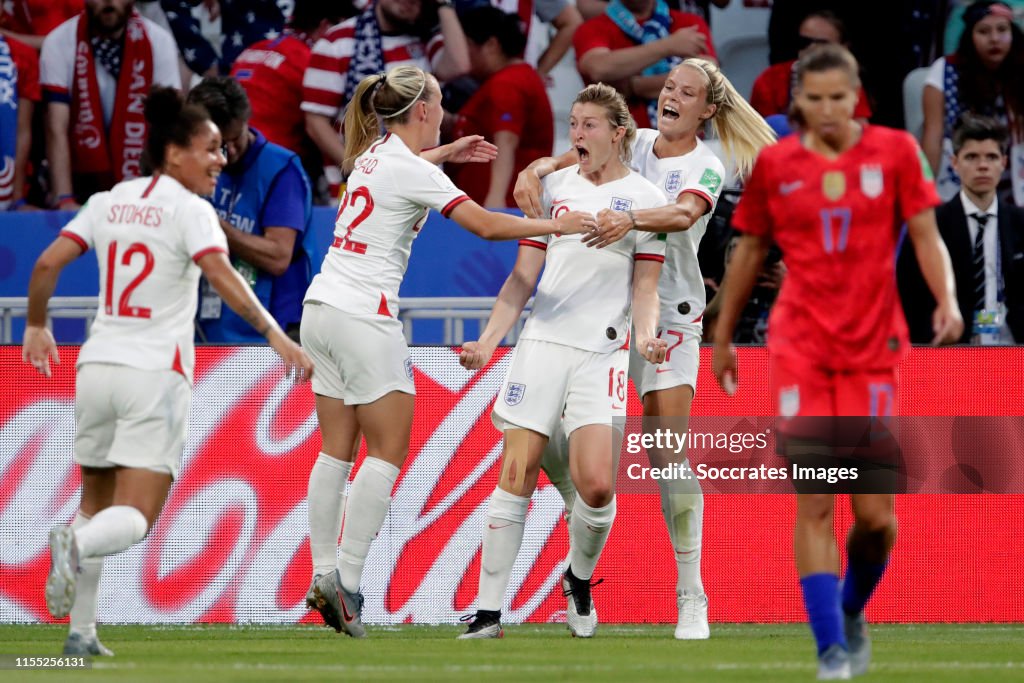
column 152, row 237
column 833, row 199
column 690, row 176
column 572, row 356
column 364, row 379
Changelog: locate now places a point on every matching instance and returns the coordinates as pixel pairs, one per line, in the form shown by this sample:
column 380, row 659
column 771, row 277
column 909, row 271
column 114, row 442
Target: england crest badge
column 620, row 204
column 674, row 182
column 871, row 180
column 514, row 394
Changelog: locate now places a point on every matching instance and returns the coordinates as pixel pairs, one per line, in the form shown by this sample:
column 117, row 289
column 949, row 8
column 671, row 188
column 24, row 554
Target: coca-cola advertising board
column 232, row 542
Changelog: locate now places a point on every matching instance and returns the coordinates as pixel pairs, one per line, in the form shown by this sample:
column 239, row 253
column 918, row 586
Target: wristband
column 632, row 218
column 63, row 199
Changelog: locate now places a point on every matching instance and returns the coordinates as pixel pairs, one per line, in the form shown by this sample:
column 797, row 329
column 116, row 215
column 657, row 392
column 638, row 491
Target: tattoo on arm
column 254, row 316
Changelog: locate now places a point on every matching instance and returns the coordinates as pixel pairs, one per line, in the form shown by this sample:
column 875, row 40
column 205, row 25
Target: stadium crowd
column 76, row 72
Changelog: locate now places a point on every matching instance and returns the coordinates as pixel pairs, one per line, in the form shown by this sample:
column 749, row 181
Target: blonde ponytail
column 361, row 127
column 741, row 129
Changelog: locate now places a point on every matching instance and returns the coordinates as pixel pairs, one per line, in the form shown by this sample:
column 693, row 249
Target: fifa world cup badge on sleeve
column 514, row 394
column 871, row 180
column 833, row 185
column 711, row 180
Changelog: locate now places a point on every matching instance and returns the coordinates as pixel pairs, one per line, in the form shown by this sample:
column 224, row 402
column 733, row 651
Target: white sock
column 555, row 463
column 588, row 531
column 503, row 534
column 326, row 499
column 684, row 517
column 369, row 499
column 83, row 612
column 110, row 531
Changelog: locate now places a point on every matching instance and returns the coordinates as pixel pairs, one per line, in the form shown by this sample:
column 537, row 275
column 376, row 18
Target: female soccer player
column 153, row 236
column 364, row 380
column 572, row 356
column 690, row 176
column 833, row 199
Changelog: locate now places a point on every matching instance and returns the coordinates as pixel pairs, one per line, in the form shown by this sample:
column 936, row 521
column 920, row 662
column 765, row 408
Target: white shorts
column 547, row 380
column 356, row 358
column 130, row 417
column 679, row 368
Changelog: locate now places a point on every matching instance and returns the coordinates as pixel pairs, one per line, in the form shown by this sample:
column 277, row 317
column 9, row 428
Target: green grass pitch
column 736, row 652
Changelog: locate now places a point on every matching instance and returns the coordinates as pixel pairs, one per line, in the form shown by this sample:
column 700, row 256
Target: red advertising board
column 232, row 542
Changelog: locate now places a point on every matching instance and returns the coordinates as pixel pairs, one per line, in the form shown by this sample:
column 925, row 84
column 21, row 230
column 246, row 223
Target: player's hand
column 475, row 355
column 298, row 364
column 948, row 324
column 472, row 149
column 575, row 222
column 687, row 42
column 652, row 348
column 612, row 226
column 723, row 364
column 38, row 347
column 527, row 193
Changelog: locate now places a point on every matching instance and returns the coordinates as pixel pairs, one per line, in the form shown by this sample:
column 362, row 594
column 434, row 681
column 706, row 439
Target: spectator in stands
column 954, row 26
column 563, row 16
column 243, row 22
column 702, row 8
column 982, row 77
column 387, row 34
column 31, row 20
column 271, row 73
column 985, row 237
column 511, row 108
column 264, row 202
column 19, row 91
column 772, row 89
column 634, row 44
column 95, row 128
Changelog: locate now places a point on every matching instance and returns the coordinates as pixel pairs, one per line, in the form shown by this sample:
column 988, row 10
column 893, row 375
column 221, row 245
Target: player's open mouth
column 582, row 153
column 669, row 112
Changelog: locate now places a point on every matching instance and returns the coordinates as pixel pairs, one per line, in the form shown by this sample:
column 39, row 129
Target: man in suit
column 985, row 238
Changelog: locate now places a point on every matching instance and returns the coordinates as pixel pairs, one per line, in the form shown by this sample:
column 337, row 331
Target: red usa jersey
column 838, row 223
column 148, row 233
column 389, row 194
column 584, row 296
column 700, row 172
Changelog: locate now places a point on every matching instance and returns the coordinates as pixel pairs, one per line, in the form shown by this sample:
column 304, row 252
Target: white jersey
column 681, row 288
column 584, row 296
column 148, row 233
column 389, row 194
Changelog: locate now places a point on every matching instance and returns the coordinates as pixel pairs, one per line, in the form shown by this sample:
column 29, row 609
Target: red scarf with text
column 93, row 150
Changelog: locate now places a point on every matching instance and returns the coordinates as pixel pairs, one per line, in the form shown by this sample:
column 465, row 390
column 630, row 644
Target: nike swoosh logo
column 787, row 188
column 661, row 370
column 344, row 610
column 498, row 526
column 560, row 201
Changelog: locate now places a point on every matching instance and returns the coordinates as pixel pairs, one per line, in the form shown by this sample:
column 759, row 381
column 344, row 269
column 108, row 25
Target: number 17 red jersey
column 838, row 223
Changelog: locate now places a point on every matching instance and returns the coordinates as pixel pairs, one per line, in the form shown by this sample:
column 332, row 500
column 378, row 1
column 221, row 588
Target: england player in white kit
column 691, row 177
column 572, row 356
column 364, row 381
column 153, row 237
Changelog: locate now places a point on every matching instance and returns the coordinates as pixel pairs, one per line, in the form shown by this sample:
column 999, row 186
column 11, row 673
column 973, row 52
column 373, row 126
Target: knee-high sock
column 821, row 598
column 326, row 499
column 367, row 505
column 588, row 531
column 503, row 534
column 859, row 583
column 110, row 531
column 682, row 505
column 83, row 612
column 555, row 463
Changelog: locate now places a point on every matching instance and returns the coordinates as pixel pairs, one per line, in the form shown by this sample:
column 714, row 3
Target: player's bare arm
column 612, row 226
column 933, row 257
column 466, row 150
column 38, row 345
column 528, row 190
column 645, row 311
column 270, row 252
column 491, row 225
column 512, row 298
column 737, row 284
column 237, row 294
